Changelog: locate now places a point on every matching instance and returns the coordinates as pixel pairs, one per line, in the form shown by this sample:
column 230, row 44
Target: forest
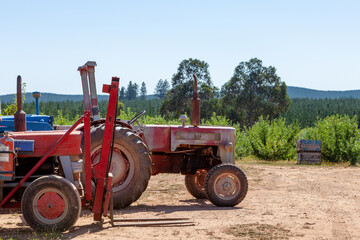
column 303, row 111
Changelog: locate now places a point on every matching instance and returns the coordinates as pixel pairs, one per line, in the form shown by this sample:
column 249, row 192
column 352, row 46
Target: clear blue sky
column 312, row 44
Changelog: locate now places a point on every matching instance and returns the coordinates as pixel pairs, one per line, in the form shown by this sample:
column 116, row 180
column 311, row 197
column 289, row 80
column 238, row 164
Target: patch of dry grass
column 259, row 231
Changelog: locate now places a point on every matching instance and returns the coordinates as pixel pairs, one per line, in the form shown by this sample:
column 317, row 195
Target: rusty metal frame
column 102, row 168
column 42, row 160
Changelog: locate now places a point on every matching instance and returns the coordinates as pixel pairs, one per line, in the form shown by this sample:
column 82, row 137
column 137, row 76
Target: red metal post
column 108, row 192
column 102, row 168
column 87, row 156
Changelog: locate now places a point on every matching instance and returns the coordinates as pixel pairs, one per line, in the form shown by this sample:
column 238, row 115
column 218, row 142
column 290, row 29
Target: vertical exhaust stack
column 36, row 95
column 20, row 115
column 195, row 106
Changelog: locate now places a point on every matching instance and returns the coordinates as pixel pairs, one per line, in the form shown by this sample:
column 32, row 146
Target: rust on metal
column 157, row 137
column 166, row 163
column 20, row 115
column 206, row 136
column 195, row 106
column 223, row 137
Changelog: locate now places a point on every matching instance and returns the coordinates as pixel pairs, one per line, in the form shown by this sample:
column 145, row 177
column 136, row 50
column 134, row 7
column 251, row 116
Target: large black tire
column 226, row 185
column 130, row 166
column 195, row 184
column 51, row 203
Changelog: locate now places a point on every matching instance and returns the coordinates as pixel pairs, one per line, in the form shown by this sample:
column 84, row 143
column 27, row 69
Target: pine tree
column 132, row 91
column 143, row 91
column 161, row 88
column 122, row 94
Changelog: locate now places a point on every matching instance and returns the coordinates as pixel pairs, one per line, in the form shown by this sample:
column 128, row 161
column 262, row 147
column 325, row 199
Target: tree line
column 303, row 111
column 307, row 111
column 132, row 91
column 253, row 91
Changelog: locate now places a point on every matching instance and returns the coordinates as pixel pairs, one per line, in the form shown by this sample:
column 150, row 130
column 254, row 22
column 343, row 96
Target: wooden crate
column 309, row 151
column 309, row 146
column 309, row 157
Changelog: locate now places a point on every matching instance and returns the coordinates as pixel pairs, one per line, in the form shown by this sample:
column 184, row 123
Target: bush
column 216, row 120
column 340, row 138
column 60, row 119
column 273, row 140
column 243, row 146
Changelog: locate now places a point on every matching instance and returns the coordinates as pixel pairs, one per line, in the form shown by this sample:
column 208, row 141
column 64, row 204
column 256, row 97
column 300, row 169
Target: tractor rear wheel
column 195, row 184
column 51, row 203
column 130, row 164
column 226, row 185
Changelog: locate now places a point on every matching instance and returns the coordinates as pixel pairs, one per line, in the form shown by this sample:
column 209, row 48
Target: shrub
column 307, row 133
column 12, row 108
column 216, row 120
column 273, row 140
column 340, row 138
column 243, row 146
column 60, row 119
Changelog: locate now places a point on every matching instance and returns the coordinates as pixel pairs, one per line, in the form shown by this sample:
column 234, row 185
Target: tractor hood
column 167, row 138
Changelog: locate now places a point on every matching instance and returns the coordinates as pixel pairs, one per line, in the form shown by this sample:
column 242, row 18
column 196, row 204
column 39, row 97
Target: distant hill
column 47, row 97
column 294, row 92
column 298, row 92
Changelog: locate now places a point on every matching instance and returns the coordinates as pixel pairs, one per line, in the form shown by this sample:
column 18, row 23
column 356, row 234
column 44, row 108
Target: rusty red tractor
column 106, row 163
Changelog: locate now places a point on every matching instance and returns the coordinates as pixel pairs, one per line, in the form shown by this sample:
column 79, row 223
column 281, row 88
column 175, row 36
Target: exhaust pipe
column 20, row 115
column 195, row 106
column 37, row 95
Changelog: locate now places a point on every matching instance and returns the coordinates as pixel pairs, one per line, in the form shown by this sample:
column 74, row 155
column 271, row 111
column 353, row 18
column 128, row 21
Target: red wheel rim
column 122, row 166
column 50, row 205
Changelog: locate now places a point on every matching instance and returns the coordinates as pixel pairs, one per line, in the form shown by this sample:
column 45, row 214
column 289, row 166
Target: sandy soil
column 283, row 202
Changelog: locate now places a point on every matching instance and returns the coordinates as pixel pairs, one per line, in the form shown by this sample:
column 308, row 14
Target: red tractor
column 97, row 162
column 204, row 154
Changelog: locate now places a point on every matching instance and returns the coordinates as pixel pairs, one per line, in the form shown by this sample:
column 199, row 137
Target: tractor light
column 229, row 147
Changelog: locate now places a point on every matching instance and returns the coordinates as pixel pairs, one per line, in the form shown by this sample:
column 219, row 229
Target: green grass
column 253, row 160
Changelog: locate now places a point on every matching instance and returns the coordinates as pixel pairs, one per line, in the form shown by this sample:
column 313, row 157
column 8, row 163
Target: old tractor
column 204, row 154
column 52, row 174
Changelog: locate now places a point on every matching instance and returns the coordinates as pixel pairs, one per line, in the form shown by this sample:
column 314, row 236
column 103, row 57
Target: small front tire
column 226, row 185
column 51, row 203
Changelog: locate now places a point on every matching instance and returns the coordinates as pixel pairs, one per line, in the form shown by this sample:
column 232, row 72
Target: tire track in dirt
column 341, row 205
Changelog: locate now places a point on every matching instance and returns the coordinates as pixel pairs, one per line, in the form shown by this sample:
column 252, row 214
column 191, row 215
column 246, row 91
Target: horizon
column 152, row 94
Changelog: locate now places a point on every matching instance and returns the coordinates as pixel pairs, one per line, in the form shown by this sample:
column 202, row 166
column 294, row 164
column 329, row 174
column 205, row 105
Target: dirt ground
column 283, row 202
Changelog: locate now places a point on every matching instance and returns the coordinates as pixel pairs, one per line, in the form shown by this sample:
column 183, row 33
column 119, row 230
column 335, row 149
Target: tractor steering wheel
column 134, row 119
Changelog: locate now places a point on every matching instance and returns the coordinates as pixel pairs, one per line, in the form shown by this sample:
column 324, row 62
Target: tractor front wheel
column 226, row 185
column 51, row 203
